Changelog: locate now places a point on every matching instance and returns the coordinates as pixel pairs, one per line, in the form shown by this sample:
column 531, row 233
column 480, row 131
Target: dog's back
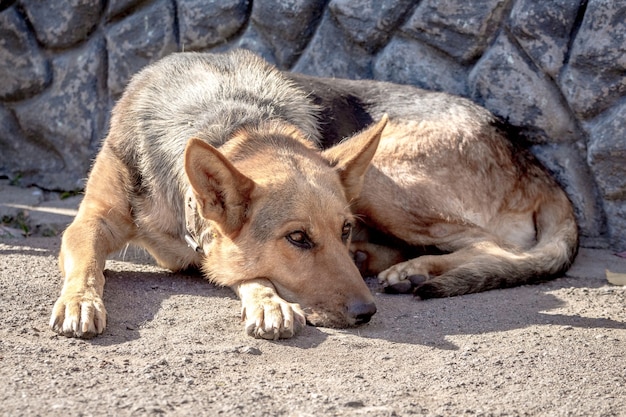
column 199, row 95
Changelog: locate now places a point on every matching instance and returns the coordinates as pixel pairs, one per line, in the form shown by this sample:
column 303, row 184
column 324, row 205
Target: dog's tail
column 490, row 266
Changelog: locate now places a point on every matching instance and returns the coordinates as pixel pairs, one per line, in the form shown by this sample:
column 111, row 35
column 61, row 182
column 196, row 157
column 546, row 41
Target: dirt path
column 174, row 345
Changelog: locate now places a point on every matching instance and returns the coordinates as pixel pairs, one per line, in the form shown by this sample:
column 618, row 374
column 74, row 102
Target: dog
column 290, row 188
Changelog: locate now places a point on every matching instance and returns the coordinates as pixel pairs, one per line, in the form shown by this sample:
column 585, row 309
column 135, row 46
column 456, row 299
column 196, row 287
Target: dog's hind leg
column 433, row 271
column 102, row 226
column 478, row 267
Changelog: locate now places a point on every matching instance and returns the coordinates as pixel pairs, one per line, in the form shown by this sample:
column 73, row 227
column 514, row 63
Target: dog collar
column 191, row 235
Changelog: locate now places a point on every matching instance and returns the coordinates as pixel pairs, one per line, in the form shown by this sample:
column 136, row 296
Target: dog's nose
column 361, row 312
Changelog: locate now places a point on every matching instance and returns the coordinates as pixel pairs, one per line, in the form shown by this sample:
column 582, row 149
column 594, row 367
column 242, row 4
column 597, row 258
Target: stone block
column 285, row 27
column 567, row 165
column 254, row 41
column 68, row 118
column 460, row 28
column 24, row 70
column 606, row 157
column 331, row 54
column 59, row 24
column 509, row 85
column 607, row 153
column 138, row 40
column 369, row 23
column 407, row 61
column 594, row 79
column 198, row 32
column 616, row 219
column 543, row 29
column 24, row 160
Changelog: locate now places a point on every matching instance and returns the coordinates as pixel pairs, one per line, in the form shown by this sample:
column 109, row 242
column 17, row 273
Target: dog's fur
column 226, row 152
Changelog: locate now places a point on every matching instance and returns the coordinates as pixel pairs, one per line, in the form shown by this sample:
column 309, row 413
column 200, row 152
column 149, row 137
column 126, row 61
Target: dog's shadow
column 138, row 297
column 403, row 319
column 186, row 305
column 138, row 300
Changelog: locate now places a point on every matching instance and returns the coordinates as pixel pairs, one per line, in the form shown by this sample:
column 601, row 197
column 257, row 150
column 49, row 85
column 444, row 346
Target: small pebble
column 250, row 350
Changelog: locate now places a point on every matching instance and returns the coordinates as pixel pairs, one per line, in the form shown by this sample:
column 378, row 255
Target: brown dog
column 216, row 161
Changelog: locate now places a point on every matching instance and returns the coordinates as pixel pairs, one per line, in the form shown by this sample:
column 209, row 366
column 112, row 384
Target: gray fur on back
column 209, row 96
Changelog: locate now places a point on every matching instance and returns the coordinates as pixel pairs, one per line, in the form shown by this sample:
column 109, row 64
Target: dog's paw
column 402, row 278
column 273, row 318
column 79, row 315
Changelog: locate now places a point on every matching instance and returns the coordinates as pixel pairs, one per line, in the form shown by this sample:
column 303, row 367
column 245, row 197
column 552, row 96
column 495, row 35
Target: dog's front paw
column 79, row 315
column 265, row 314
column 272, row 318
column 402, row 278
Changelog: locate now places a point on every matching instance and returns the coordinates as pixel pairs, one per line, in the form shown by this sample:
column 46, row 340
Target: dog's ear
column 352, row 157
column 222, row 192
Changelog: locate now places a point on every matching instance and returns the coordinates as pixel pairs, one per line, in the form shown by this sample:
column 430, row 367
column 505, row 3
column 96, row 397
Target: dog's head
column 280, row 209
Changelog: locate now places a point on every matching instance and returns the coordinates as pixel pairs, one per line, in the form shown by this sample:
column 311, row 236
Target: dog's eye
column 300, row 239
column 346, row 231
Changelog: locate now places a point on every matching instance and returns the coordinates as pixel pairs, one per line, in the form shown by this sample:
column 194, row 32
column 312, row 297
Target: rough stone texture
column 553, row 68
column 565, row 162
column 23, row 69
column 115, row 8
column 607, row 153
column 197, row 32
column 369, row 23
column 22, row 156
column 505, row 82
column 607, row 159
column 460, row 28
column 138, row 40
column 60, row 24
column 281, row 40
column 594, row 78
column 543, row 30
column 348, row 60
column 407, row 61
column 69, row 117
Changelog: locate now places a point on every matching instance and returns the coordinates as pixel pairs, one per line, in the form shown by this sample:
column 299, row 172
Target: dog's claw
column 77, row 315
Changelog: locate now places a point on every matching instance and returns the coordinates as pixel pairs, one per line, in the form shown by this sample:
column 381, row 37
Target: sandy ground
column 174, row 345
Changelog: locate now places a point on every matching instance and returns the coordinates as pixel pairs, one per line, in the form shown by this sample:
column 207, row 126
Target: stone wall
column 556, row 68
